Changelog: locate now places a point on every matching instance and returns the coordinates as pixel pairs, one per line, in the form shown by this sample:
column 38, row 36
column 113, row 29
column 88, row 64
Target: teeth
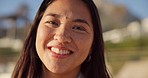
column 58, row 51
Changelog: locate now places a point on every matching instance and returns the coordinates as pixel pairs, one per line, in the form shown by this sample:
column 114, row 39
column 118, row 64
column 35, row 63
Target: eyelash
column 52, row 23
column 79, row 28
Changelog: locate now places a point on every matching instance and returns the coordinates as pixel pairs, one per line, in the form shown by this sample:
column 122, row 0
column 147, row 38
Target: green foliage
column 118, row 54
column 5, row 52
column 129, row 43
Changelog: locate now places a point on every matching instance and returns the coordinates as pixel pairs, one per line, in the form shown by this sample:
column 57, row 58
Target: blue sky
column 136, row 7
column 139, row 8
column 8, row 7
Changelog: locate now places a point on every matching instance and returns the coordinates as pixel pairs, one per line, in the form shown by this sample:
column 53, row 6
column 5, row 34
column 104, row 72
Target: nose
column 62, row 36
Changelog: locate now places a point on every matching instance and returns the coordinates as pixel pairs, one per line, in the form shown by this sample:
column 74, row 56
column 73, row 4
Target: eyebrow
column 54, row 15
column 81, row 21
column 75, row 20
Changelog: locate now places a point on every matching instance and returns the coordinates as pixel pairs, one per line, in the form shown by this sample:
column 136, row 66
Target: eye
column 51, row 23
column 79, row 28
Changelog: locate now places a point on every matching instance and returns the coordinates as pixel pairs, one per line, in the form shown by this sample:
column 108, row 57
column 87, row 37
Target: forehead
column 69, row 8
column 69, row 4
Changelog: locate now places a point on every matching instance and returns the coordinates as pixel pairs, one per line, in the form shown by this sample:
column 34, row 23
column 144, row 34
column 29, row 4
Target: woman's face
column 64, row 36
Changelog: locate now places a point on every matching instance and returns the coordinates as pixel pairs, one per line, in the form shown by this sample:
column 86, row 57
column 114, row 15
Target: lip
column 59, row 56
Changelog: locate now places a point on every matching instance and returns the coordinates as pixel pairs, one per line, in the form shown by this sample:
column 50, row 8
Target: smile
column 60, row 51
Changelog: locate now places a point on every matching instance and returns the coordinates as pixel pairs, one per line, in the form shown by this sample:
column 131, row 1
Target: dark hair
column 29, row 64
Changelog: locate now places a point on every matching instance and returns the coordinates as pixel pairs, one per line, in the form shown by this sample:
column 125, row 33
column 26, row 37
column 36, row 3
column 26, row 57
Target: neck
column 71, row 74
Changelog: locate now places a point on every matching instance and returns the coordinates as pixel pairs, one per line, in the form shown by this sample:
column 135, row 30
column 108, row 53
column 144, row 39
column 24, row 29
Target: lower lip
column 60, row 56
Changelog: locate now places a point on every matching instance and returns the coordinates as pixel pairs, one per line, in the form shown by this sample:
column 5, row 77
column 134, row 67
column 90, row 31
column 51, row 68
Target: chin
column 57, row 70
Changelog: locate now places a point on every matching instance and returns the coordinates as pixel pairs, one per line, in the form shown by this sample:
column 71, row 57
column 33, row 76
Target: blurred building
column 14, row 28
column 144, row 23
column 134, row 30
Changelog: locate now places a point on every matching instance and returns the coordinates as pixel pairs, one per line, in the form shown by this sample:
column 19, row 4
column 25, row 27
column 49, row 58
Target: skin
column 66, row 25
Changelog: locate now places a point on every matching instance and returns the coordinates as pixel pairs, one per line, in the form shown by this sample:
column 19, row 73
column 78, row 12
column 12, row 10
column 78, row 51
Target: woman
column 65, row 41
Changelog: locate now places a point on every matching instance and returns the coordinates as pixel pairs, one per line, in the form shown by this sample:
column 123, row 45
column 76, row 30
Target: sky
column 137, row 7
column 8, row 7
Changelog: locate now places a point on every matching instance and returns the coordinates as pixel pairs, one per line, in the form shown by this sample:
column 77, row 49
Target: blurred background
column 125, row 31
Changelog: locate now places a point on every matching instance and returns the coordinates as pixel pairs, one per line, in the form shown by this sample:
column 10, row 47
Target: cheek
column 44, row 34
column 43, row 37
column 40, row 38
column 83, row 40
column 83, row 43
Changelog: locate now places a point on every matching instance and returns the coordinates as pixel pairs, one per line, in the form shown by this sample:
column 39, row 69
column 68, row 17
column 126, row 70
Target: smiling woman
column 65, row 41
